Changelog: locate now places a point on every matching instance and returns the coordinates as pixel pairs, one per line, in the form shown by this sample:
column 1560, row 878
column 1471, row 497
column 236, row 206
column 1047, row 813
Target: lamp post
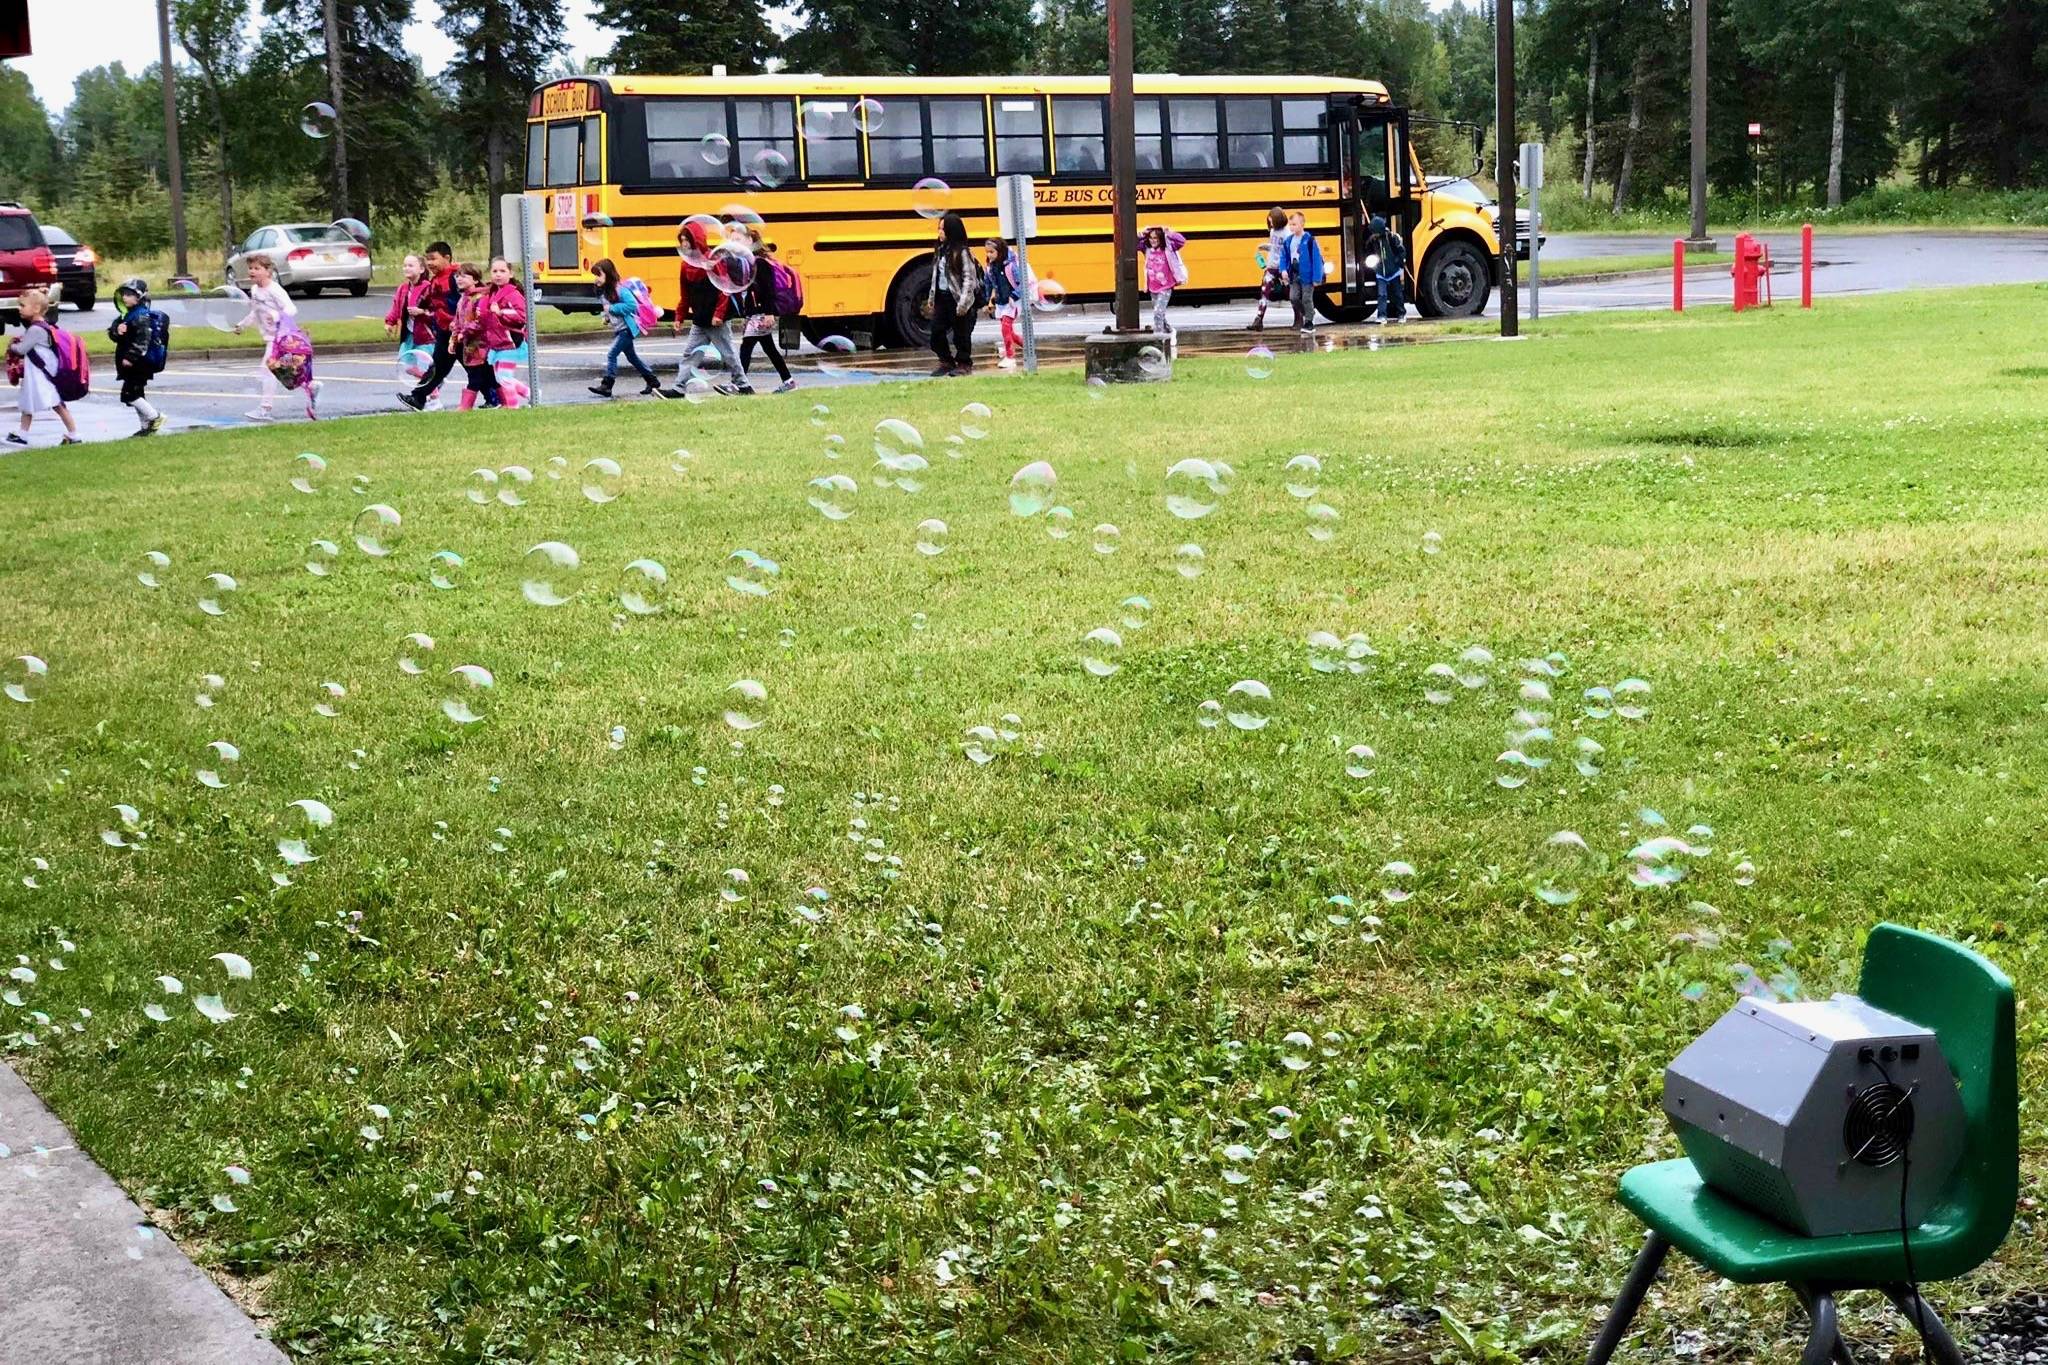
column 1504, row 138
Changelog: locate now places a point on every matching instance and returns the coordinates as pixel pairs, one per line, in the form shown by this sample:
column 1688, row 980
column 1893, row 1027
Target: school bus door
column 1376, row 180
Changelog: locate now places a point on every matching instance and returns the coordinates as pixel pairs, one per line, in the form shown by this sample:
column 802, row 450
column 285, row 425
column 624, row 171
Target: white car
column 309, row 257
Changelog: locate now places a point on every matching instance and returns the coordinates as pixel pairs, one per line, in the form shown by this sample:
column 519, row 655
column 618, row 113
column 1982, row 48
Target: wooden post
column 1123, row 164
column 342, row 207
column 1698, row 240
column 1504, row 153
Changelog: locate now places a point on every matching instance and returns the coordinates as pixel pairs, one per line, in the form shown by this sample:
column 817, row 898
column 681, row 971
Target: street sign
column 1756, row 130
column 1016, row 207
column 1531, row 170
column 534, row 248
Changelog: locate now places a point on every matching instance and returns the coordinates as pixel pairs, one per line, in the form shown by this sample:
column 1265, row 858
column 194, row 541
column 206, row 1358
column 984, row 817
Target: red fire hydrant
column 1752, row 266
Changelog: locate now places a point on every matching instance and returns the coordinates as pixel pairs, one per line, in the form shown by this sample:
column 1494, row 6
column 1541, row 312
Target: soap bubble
column 932, row 536
column 462, row 692
column 1437, row 681
column 551, row 574
column 980, row 744
column 330, row 694
column 753, row 574
column 225, row 755
column 1325, row 652
column 709, row 230
column 446, row 570
column 1134, row 612
column 1031, row 488
column 155, row 562
column 1152, row 362
column 321, row 556
column 213, row 595
column 740, row 215
column 1258, row 362
column 317, row 119
column 306, row 471
column 768, row 167
column 1101, row 649
column 1586, row 755
column 1512, row 769
column 1304, row 475
column 836, row 351
column 1107, row 539
column 1474, row 662
column 483, row 486
column 931, row 197
column 377, row 530
column 513, row 481
column 715, row 149
column 736, row 886
column 1599, row 703
column 603, row 481
column 1192, row 488
column 821, row 416
column 1745, row 873
column 832, row 496
column 745, row 704
column 1059, row 522
column 1432, row 543
column 643, row 587
column 867, row 114
column 1209, row 714
column 698, row 389
column 1632, row 699
column 411, row 650
column 25, row 675
column 1049, row 296
column 731, row 269
column 594, row 225
column 1360, row 761
column 974, row 420
column 225, row 308
column 1658, row 862
column 1188, row 560
column 896, row 440
column 1322, row 521
column 1248, row 705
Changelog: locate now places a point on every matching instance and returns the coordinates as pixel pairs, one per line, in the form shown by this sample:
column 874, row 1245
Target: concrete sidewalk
column 84, row 1277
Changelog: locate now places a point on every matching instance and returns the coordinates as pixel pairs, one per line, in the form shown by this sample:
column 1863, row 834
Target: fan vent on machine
column 1878, row 1125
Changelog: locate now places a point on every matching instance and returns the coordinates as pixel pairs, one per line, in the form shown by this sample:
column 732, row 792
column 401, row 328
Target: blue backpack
column 157, row 352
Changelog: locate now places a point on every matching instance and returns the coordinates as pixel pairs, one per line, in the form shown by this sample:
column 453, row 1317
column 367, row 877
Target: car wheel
column 86, row 302
column 1455, row 281
column 910, row 303
column 356, row 291
column 310, row 291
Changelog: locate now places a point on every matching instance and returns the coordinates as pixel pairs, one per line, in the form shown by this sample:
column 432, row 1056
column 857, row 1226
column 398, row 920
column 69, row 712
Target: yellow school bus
column 830, row 164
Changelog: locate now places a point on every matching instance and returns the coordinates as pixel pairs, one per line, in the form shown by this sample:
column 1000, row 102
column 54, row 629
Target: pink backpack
column 73, row 378
column 648, row 315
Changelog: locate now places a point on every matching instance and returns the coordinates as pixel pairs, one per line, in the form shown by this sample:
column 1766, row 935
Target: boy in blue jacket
column 1301, row 262
column 134, row 334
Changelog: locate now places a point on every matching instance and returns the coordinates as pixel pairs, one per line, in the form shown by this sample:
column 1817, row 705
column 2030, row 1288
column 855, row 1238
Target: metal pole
column 1029, row 286
column 1535, row 248
column 1123, row 164
column 174, row 163
column 1698, row 239
column 527, row 285
column 1504, row 138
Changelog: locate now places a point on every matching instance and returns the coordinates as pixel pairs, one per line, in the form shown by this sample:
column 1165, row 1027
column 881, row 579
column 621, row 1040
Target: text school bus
column 829, row 164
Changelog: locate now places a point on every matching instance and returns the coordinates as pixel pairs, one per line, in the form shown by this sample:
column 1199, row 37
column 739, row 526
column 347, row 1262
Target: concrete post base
column 1699, row 246
column 1113, row 357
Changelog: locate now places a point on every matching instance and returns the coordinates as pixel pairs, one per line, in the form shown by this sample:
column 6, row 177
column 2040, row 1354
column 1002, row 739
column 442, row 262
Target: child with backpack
column 764, row 303
column 269, row 307
column 1391, row 270
column 142, row 338
column 629, row 313
column 1301, row 260
column 49, row 364
column 1004, row 301
column 504, row 315
column 410, row 320
column 1164, row 272
column 467, row 339
column 1272, row 279
column 703, row 304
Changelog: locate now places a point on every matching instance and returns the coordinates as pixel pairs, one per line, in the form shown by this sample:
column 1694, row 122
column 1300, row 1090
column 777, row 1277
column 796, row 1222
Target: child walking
column 134, row 336
column 622, row 316
column 1302, row 261
column 410, row 320
column 269, row 306
column 955, row 297
column 433, row 307
column 1392, row 271
column 33, row 356
column 1004, row 301
column 1164, row 272
column 758, row 303
column 700, row 303
column 504, row 315
column 467, row 338
column 1272, row 279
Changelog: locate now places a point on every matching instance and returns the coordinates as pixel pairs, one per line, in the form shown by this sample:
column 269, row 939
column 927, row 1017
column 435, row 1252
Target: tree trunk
column 227, row 184
column 1639, row 77
column 333, row 29
column 1592, row 93
column 1835, row 138
column 494, row 179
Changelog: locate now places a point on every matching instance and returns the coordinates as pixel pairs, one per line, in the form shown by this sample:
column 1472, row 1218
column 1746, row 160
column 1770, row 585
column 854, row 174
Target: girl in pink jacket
column 467, row 337
column 1164, row 272
column 505, row 320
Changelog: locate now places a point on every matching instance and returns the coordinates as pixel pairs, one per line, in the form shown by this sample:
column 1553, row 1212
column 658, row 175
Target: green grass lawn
column 1024, row 1077
column 1609, row 265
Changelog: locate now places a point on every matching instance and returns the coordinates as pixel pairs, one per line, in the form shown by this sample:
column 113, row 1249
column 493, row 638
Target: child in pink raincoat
column 1164, row 272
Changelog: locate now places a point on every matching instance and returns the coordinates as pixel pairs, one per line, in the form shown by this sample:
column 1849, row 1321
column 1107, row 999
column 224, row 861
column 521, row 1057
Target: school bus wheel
column 1329, row 303
column 1455, row 280
column 909, row 319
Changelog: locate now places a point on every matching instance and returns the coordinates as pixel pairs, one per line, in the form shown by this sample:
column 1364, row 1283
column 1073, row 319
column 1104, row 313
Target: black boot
column 653, row 387
column 603, row 387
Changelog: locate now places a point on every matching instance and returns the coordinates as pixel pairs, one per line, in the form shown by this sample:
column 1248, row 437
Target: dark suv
column 25, row 258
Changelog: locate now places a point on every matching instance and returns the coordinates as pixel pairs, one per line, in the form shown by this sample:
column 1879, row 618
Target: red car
column 26, row 260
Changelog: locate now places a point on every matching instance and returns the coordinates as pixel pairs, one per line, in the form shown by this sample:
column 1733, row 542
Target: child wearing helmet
column 138, row 351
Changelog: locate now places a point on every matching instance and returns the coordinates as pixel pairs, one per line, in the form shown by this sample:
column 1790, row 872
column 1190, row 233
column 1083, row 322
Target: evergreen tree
column 916, row 37
column 502, row 50
column 28, row 145
column 656, row 38
column 382, row 106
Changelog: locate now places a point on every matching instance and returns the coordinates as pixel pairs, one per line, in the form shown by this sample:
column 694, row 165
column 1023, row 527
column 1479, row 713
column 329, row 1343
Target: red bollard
column 1678, row 274
column 1806, row 266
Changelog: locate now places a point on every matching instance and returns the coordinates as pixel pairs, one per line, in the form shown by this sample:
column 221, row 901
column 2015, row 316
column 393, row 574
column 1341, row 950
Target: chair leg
column 1841, row 1355
column 1940, row 1345
column 1640, row 1276
column 1822, row 1341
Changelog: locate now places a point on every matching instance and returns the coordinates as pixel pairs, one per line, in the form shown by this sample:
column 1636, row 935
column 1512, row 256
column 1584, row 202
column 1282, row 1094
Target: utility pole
column 174, row 163
column 341, row 200
column 1698, row 240
column 1503, row 142
column 1123, row 168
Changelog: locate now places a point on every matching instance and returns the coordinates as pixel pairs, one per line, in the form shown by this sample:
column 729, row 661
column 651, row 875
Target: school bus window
column 831, row 141
column 1248, row 141
column 1078, row 146
column 1193, row 122
column 959, row 137
column 764, row 125
column 1151, row 146
column 536, row 155
column 896, row 143
column 593, row 153
column 1020, row 136
column 676, row 130
column 1301, row 136
column 565, row 140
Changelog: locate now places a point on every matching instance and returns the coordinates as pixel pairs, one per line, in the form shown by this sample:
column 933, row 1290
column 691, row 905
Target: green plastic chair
column 1968, row 1004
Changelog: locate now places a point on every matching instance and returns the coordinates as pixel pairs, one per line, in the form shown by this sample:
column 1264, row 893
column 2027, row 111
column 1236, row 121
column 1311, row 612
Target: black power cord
column 1903, row 1133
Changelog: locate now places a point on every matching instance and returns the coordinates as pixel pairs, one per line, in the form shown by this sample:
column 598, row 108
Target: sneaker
column 15, row 438
column 1259, row 323
column 676, row 392
column 1006, row 363
column 156, row 424
column 941, row 371
column 412, row 401
column 786, row 386
column 69, row 441
column 266, row 415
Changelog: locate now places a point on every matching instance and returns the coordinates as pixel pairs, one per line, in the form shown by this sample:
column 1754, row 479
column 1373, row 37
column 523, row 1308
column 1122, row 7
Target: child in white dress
column 269, row 306
column 35, row 352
